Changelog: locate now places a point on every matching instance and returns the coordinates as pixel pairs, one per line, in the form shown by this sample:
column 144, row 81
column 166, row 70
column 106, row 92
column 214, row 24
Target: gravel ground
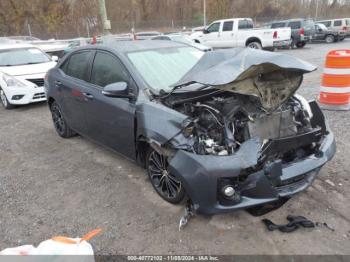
column 52, row 186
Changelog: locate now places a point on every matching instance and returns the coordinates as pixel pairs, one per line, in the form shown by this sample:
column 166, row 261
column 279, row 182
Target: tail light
column 275, row 35
column 302, row 31
column 344, row 28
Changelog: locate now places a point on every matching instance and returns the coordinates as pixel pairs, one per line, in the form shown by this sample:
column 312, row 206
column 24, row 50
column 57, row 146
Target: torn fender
column 272, row 77
column 157, row 122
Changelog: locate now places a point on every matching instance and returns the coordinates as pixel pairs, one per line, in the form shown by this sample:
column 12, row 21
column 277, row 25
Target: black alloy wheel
column 165, row 183
column 59, row 122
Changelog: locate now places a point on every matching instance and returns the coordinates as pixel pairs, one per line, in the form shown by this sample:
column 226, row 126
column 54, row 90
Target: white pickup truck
column 240, row 32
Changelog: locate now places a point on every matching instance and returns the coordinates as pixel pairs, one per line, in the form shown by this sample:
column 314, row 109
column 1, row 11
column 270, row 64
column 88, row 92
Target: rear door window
column 78, row 65
column 228, row 26
column 294, row 25
column 337, row 23
column 107, row 69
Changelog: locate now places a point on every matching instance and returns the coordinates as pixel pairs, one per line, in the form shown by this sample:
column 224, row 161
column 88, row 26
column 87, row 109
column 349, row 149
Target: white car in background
column 240, row 32
column 22, row 71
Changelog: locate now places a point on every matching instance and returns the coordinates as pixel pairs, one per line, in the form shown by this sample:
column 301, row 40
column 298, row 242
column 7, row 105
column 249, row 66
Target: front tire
column 4, row 101
column 60, row 124
column 166, row 184
column 254, row 45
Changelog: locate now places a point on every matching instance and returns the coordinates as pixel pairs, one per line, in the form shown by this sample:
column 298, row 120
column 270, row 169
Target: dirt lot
column 51, row 186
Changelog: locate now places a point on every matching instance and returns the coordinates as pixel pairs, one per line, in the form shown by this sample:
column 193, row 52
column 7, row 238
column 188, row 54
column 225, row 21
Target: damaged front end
column 247, row 139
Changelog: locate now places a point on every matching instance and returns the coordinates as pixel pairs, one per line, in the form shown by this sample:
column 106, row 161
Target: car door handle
column 88, row 96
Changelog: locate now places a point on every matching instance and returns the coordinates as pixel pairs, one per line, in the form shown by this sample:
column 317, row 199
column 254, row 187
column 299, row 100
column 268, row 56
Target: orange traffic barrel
column 335, row 88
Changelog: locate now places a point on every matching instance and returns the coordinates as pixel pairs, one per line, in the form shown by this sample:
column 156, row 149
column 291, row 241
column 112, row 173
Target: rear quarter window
column 337, row 23
column 295, row 25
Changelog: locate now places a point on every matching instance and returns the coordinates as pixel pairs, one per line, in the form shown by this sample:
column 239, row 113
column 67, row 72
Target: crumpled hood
column 272, row 77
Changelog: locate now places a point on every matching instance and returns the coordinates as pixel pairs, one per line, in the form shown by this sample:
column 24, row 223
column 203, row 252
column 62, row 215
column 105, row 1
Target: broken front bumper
column 204, row 176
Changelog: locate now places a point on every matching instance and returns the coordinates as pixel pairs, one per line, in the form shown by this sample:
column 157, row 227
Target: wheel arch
column 142, row 147
column 50, row 100
column 251, row 40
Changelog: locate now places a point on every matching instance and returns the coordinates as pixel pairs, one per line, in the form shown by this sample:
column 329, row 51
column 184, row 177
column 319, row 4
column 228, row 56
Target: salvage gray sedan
column 223, row 129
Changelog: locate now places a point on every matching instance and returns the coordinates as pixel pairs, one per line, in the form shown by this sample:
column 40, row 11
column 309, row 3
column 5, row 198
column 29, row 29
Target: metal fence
column 82, row 30
column 154, row 25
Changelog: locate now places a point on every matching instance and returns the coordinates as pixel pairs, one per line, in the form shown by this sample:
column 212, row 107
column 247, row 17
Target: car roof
column 15, row 46
column 148, row 33
column 291, row 20
column 332, row 19
column 132, row 46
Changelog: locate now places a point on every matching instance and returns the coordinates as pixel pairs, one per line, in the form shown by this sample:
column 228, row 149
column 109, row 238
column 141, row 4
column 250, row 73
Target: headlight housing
column 11, row 81
column 305, row 104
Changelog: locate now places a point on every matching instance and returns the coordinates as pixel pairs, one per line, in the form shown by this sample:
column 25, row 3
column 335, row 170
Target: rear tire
column 330, row 39
column 254, row 45
column 300, row 44
column 292, row 44
column 60, row 124
column 4, row 101
column 165, row 184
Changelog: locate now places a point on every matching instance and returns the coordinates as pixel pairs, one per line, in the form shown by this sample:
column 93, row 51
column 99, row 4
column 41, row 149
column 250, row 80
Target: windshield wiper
column 164, row 94
column 29, row 63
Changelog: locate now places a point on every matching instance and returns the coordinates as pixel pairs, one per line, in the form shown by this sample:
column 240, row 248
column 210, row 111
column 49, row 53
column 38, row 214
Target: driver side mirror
column 320, row 30
column 118, row 90
column 205, row 31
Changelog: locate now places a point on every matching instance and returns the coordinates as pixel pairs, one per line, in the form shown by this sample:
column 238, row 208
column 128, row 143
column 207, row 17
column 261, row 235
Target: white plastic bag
column 57, row 246
column 21, row 250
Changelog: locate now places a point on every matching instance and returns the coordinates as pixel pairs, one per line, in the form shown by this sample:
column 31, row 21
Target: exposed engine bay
column 251, row 96
column 220, row 123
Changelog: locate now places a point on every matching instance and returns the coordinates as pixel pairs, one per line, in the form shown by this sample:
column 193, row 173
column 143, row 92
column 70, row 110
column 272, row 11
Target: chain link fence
column 119, row 27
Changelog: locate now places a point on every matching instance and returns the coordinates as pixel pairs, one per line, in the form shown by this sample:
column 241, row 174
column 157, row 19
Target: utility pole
column 28, row 26
column 204, row 13
column 316, row 13
column 103, row 13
